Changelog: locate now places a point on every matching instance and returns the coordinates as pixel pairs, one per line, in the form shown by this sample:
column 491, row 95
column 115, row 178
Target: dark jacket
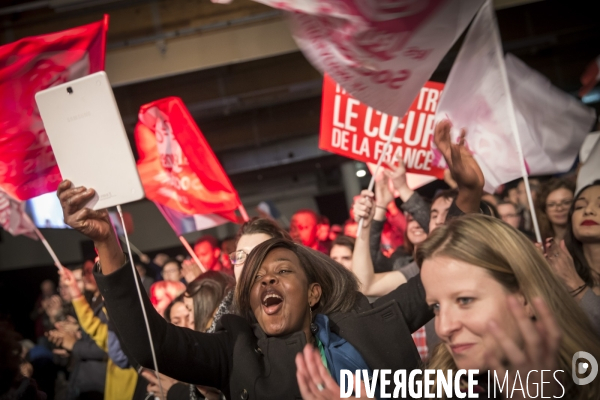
column 242, row 361
column 381, row 263
column 89, row 362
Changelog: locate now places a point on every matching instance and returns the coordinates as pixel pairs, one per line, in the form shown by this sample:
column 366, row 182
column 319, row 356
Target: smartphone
column 89, row 141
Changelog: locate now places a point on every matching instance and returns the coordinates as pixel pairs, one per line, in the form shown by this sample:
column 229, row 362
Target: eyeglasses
column 564, row 204
column 238, row 257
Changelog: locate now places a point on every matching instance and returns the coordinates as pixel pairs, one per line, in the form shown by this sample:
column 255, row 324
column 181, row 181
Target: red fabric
column 177, row 166
column 27, row 165
column 420, row 339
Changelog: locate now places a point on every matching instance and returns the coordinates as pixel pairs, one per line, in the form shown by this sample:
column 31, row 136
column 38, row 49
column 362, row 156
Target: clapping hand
column 463, row 167
column 541, row 340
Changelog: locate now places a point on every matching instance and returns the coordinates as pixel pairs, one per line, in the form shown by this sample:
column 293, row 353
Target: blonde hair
column 515, row 263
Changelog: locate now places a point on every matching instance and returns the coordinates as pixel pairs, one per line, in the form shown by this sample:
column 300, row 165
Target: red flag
column 351, row 129
column 177, row 166
column 27, row 165
column 13, row 218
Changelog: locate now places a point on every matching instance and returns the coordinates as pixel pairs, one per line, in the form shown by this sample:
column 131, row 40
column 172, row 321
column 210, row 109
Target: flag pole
column 379, row 162
column 44, row 242
column 242, row 211
column 49, row 248
column 513, row 124
column 187, row 246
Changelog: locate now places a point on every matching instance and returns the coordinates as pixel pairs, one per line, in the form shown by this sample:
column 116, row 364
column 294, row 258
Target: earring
column 314, row 328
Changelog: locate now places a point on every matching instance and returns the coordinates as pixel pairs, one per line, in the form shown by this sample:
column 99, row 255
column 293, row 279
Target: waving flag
column 13, row 218
column 27, row 165
column 476, row 98
column 178, row 168
column 381, row 52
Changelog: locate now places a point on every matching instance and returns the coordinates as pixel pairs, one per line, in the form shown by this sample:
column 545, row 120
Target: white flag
column 13, row 218
column 382, row 52
column 552, row 124
column 476, row 98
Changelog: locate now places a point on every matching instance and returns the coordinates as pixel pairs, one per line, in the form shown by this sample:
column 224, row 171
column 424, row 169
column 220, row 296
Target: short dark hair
column 345, row 241
column 172, row 260
column 339, row 286
column 262, row 225
column 448, row 194
column 510, row 203
column 214, row 243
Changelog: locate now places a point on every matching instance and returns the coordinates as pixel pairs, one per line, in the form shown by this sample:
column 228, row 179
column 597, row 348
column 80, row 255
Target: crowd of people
column 453, row 282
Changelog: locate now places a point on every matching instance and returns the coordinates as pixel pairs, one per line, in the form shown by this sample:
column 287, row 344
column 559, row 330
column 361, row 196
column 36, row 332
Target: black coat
column 241, row 361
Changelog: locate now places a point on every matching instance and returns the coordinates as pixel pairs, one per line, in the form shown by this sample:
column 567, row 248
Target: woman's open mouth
column 271, row 301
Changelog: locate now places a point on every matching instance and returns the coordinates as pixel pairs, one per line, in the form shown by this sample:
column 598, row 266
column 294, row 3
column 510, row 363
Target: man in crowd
column 303, row 229
column 227, row 247
column 508, row 213
column 208, row 252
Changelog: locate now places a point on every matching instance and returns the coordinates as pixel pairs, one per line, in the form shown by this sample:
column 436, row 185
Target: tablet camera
column 70, row 90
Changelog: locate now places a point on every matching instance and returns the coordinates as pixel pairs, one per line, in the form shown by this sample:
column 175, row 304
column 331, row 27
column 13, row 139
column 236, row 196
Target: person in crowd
column 576, row 259
column 552, row 205
column 88, row 376
column 13, row 384
column 446, row 204
column 227, row 247
column 498, row 308
column 204, row 295
column 120, row 382
column 171, row 271
column 523, row 202
column 323, row 228
column 288, row 292
column 509, row 213
column 208, row 251
column 162, row 294
column 143, row 273
column 39, row 314
column 510, row 193
column 179, row 314
column 303, row 229
column 341, row 251
column 414, row 233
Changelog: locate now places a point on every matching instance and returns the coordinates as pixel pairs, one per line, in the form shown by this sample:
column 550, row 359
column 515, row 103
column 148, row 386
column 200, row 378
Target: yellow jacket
column 120, row 383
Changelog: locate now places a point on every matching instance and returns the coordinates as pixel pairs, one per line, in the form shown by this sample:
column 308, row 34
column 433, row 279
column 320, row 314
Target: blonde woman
column 499, row 306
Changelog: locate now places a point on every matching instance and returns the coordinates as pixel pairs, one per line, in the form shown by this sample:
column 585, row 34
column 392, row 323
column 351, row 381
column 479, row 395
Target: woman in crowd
column 577, row 259
column 179, row 314
column 470, row 280
column 554, row 200
column 203, row 297
column 286, row 294
column 499, row 308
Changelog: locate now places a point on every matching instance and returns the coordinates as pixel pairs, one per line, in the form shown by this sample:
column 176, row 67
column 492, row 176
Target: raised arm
column 412, row 202
column 463, row 167
column 183, row 354
column 371, row 284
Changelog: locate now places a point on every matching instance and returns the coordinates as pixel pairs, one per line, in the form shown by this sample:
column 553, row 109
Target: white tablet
column 89, row 141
